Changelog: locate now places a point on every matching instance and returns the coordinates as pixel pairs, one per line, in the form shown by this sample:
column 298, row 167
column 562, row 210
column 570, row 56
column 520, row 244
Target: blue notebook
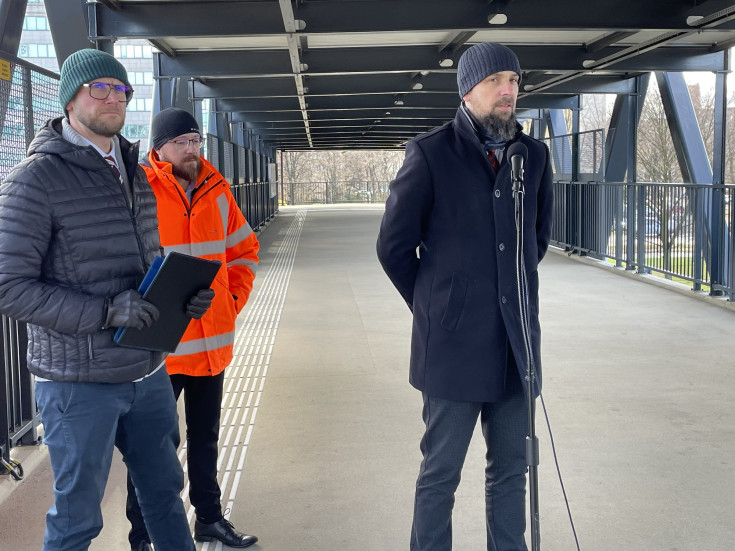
column 169, row 284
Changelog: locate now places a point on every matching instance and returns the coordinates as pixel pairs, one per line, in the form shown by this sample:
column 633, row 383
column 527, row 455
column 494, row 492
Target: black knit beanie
column 170, row 123
column 85, row 66
column 482, row 60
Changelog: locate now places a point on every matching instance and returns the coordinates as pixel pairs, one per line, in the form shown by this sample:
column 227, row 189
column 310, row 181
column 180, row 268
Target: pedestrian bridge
column 321, row 429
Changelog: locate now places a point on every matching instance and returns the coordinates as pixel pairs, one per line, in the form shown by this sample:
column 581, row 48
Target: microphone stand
column 532, row 445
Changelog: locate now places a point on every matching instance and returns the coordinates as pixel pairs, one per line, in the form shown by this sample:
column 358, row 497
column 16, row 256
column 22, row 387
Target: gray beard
column 499, row 128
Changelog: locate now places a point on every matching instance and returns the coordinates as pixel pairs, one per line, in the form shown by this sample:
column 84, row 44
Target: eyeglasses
column 183, row 142
column 101, row 90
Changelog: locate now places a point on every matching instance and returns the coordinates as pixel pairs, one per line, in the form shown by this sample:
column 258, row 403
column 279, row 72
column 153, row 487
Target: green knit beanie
column 85, row 66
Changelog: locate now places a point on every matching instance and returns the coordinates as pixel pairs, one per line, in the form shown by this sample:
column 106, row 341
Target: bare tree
column 294, row 167
column 593, row 115
column 657, row 161
column 339, row 176
column 331, row 166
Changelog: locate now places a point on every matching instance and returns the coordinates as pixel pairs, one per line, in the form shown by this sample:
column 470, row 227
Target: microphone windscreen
column 517, row 149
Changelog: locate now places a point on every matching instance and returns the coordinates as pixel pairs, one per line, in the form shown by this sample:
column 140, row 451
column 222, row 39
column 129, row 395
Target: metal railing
column 680, row 231
column 28, row 97
column 310, row 193
column 250, row 178
column 20, row 414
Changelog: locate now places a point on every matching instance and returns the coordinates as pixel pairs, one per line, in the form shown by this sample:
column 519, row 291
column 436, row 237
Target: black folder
column 168, row 285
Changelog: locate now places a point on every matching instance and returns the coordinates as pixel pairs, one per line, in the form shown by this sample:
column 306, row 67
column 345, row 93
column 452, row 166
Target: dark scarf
column 490, row 142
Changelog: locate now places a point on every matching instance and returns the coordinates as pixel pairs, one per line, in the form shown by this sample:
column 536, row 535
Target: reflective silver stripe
column 183, row 249
column 198, row 249
column 224, row 210
column 252, row 264
column 202, row 345
column 239, row 236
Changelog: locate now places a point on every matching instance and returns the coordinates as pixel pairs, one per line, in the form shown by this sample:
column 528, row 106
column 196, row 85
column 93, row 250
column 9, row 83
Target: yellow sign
column 5, row 72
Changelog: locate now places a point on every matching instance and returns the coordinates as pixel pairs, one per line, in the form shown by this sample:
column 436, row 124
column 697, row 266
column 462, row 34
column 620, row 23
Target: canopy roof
column 361, row 74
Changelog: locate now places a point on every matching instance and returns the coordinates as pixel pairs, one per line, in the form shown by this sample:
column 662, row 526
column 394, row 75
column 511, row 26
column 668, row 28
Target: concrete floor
column 638, row 386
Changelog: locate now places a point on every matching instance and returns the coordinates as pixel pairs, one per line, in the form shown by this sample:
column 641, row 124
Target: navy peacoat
column 447, row 241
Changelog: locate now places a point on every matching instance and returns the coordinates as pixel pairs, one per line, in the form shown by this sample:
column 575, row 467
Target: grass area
column 681, row 264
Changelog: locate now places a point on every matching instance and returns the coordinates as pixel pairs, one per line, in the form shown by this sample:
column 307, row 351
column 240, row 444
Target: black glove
column 199, row 303
column 128, row 309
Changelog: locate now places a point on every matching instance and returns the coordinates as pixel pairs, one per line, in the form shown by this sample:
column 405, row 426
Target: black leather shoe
column 224, row 531
column 142, row 546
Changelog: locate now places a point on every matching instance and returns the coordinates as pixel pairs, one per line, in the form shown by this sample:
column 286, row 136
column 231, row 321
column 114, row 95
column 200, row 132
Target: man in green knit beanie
column 78, row 231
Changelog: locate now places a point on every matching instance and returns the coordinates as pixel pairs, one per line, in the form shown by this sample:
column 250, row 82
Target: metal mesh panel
column 242, row 164
column 592, row 155
column 229, row 168
column 591, row 161
column 273, row 179
column 213, row 150
column 27, row 99
column 561, row 157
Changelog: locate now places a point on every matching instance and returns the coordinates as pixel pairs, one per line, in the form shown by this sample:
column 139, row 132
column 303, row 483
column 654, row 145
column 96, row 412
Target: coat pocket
column 455, row 304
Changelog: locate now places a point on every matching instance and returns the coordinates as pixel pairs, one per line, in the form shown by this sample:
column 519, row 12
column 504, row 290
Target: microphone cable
column 558, row 471
column 522, row 281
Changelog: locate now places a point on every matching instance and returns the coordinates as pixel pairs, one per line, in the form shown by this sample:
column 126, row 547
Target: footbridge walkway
column 320, row 436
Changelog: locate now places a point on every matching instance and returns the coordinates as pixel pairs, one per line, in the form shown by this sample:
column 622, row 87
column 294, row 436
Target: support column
column 635, row 104
column 695, row 168
column 720, row 245
column 12, row 13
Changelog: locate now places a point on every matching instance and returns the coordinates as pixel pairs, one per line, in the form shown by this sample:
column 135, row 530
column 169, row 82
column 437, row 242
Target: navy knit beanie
column 85, row 66
column 170, row 123
column 482, row 60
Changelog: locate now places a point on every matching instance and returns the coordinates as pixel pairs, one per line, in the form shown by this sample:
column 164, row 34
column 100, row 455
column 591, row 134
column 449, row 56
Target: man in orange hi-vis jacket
column 198, row 215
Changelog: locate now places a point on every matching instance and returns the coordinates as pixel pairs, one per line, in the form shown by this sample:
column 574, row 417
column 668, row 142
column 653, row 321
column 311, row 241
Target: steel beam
column 562, row 155
column 447, row 103
column 223, row 17
column 234, row 63
column 684, row 128
column 12, row 13
column 208, row 64
column 388, row 83
column 618, row 134
column 694, row 165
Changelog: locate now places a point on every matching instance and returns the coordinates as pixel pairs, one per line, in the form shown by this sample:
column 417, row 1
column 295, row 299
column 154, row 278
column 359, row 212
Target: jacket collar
column 50, row 140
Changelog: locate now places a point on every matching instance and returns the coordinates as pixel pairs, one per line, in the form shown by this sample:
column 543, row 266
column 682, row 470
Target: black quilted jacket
column 68, row 241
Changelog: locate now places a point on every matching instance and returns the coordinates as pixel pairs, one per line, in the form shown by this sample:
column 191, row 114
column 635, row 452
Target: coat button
column 497, row 193
column 504, row 300
column 501, row 246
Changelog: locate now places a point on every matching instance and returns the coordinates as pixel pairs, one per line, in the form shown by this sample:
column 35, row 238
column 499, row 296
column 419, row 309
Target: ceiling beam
column 227, row 18
column 344, row 61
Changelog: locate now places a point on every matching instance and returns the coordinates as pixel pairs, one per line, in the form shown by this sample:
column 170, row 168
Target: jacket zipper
column 195, row 200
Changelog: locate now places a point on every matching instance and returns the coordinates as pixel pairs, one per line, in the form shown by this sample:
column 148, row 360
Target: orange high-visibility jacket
column 212, row 227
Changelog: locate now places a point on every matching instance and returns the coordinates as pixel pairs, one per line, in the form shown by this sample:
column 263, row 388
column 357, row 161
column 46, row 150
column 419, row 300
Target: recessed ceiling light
column 497, row 19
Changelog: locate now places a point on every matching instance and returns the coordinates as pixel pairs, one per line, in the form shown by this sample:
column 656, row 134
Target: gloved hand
column 128, row 309
column 199, row 303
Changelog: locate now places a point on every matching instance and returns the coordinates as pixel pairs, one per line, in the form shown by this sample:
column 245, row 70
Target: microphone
column 517, row 155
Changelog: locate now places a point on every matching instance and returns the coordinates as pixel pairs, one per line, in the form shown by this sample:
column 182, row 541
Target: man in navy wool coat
column 448, row 243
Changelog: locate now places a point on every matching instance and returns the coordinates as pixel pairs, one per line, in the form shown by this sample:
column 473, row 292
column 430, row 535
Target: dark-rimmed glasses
column 183, row 142
column 102, row 90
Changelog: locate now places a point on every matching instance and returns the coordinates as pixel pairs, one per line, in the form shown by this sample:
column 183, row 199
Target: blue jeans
column 449, row 428
column 203, row 404
column 82, row 423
